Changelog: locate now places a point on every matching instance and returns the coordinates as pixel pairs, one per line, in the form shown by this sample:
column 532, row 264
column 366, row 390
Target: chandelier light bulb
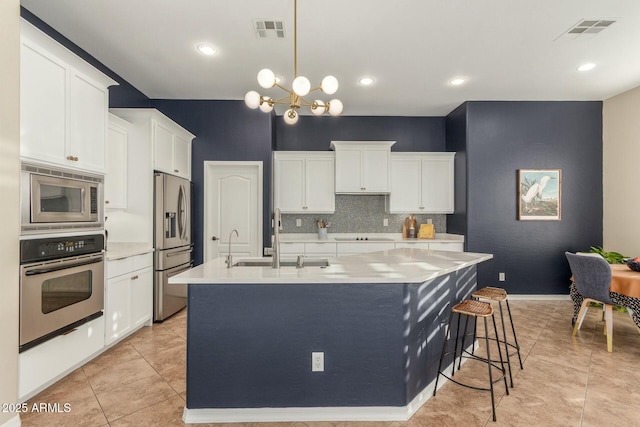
column 266, row 78
column 329, row 85
column 290, row 116
column 335, row 107
column 266, row 106
column 252, row 99
column 301, row 85
column 318, row 108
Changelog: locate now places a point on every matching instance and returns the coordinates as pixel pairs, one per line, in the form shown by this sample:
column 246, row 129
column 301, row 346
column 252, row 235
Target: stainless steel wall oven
column 61, row 285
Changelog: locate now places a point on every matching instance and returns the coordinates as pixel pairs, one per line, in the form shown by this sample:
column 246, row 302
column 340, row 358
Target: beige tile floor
column 566, row 381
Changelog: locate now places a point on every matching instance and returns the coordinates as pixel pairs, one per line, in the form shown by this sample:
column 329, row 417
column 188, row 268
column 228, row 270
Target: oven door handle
column 60, row 267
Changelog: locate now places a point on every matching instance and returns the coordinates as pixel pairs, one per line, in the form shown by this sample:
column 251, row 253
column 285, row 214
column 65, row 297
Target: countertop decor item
column 323, row 225
column 301, row 86
column 427, row 231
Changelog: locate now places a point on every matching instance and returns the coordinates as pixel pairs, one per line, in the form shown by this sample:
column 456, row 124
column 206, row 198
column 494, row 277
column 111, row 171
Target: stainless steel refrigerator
column 172, row 242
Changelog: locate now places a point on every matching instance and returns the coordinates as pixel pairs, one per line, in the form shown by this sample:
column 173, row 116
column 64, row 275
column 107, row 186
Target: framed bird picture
column 539, row 194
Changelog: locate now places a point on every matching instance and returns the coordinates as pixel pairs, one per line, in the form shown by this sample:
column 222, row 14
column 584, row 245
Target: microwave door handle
column 60, row 267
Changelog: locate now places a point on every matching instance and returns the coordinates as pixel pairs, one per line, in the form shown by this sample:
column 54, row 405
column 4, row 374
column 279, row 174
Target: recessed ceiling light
column 586, row 67
column 367, row 81
column 206, row 49
column 457, row 81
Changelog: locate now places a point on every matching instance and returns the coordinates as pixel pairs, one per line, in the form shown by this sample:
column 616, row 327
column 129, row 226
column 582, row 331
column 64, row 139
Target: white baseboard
column 13, row 422
column 327, row 414
column 552, row 297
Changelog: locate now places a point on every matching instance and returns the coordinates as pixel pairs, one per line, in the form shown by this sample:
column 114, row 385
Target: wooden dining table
column 624, row 291
column 625, row 281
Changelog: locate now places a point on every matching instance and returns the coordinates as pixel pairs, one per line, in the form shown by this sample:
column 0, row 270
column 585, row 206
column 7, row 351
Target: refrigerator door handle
column 182, row 213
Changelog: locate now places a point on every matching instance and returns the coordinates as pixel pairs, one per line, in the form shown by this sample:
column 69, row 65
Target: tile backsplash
column 359, row 214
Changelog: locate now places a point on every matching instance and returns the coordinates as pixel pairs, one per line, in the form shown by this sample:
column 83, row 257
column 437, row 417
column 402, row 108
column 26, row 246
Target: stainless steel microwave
column 60, row 200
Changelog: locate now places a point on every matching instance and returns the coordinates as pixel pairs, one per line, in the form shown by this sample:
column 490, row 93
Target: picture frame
column 539, row 194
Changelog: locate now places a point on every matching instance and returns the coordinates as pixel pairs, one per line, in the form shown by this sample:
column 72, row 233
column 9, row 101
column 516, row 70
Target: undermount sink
column 267, row 262
column 363, row 239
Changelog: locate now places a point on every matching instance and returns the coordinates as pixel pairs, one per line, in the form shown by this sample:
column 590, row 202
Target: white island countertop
column 405, row 265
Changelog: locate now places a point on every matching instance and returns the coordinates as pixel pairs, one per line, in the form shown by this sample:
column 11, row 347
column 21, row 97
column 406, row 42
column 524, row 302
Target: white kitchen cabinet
column 362, row 166
column 304, row 182
column 115, row 180
column 421, row 183
column 129, row 295
column 63, row 105
column 171, row 147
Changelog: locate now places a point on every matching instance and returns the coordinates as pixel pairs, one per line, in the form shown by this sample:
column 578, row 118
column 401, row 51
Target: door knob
column 214, row 238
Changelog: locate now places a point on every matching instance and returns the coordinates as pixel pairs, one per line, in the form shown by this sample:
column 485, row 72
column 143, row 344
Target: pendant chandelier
column 300, row 88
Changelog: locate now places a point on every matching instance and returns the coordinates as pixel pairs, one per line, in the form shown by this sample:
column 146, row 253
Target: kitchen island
column 378, row 320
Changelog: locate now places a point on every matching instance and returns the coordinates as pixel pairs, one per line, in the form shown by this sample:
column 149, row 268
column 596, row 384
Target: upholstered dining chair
column 592, row 279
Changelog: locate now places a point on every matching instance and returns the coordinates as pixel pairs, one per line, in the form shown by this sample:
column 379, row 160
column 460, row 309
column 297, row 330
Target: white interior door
column 232, row 201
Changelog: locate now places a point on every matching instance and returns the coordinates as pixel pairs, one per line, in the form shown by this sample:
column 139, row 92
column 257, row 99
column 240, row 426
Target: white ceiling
column 508, row 49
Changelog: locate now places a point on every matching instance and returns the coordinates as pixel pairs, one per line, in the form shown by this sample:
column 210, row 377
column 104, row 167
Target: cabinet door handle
column 106, row 202
column 71, row 158
column 176, row 170
column 134, row 277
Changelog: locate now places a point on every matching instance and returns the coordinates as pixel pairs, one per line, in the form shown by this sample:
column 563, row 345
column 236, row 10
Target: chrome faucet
column 229, row 260
column 276, row 239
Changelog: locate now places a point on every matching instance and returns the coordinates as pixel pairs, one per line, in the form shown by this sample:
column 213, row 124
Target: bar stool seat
column 490, row 293
column 472, row 309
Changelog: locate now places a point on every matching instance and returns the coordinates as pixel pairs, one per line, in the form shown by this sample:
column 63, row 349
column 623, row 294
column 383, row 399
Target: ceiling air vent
column 269, row 28
column 588, row 26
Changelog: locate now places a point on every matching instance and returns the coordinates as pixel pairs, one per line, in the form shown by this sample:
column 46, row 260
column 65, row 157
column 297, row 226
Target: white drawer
column 292, row 248
column 42, row 365
column 142, row 261
column 415, row 245
column 328, row 249
column 118, row 267
column 360, row 248
column 447, row 246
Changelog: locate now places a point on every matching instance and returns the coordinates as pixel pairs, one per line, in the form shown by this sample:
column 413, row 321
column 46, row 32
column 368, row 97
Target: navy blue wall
column 225, row 130
column 316, row 133
column 502, row 137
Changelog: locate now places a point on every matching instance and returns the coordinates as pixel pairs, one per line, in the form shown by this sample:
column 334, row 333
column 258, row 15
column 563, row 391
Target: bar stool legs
column 472, row 310
column 498, row 294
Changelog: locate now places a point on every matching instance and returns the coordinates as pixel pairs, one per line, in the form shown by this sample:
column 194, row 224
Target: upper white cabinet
column 421, row 183
column 170, row 142
column 172, row 147
column 362, row 166
column 304, row 181
column 115, row 180
column 63, row 104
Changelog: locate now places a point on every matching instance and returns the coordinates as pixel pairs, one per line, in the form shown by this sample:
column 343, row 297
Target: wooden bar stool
column 472, row 309
column 498, row 294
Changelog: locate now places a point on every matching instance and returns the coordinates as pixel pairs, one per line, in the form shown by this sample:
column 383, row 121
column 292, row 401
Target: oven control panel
column 59, row 247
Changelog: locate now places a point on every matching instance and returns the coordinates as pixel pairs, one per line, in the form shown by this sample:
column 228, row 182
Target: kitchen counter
column 405, row 265
column 119, row 250
column 377, row 319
